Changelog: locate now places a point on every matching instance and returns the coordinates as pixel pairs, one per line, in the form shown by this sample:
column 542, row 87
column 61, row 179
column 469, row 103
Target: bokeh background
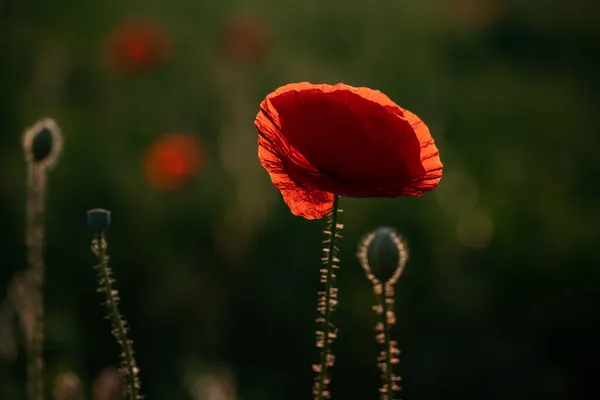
column 500, row 297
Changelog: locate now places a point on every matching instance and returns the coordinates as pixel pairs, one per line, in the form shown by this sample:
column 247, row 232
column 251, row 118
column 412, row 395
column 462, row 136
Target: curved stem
column 327, row 303
column 129, row 369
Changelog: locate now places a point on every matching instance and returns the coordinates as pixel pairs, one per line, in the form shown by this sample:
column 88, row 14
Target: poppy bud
column 41, row 146
column 383, row 254
column 43, row 143
column 98, row 220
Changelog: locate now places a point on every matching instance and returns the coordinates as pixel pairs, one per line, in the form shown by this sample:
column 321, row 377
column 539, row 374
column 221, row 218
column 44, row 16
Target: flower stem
column 387, row 358
column 326, row 305
column 129, row 369
column 387, row 350
column 34, row 276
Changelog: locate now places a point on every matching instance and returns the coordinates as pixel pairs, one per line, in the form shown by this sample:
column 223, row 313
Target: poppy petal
column 303, row 202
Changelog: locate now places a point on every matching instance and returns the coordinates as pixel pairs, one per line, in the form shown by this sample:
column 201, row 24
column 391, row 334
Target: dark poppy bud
column 43, row 143
column 98, row 220
column 383, row 255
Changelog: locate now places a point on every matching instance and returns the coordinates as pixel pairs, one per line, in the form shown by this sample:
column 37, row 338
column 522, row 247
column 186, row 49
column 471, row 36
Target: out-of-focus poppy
column 244, row 38
column 474, row 14
column 317, row 141
column 137, row 46
column 172, row 160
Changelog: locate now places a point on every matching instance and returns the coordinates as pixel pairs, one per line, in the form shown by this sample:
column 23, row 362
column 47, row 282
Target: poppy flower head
column 172, row 160
column 138, row 46
column 244, row 38
column 317, row 141
column 43, row 143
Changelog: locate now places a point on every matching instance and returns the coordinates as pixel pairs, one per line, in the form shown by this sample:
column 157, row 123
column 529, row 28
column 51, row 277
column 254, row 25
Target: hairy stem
column 388, row 382
column 129, row 369
column 388, row 356
column 33, row 314
column 326, row 306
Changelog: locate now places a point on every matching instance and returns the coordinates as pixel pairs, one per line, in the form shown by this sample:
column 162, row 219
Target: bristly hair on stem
column 327, row 302
column 42, row 145
column 388, row 357
column 98, row 220
column 383, row 255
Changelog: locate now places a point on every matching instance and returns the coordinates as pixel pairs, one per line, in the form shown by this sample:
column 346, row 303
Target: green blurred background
column 500, row 297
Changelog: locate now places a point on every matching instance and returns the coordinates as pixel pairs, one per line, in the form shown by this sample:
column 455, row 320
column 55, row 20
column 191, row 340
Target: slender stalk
column 129, row 369
column 36, row 184
column 42, row 144
column 326, row 305
column 383, row 255
column 388, row 382
column 388, row 356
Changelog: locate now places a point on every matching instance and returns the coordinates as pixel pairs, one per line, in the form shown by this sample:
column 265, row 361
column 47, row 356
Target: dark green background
column 219, row 276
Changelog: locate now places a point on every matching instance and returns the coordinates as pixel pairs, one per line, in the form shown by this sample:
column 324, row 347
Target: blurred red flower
column 137, row 46
column 245, row 38
column 317, row 141
column 475, row 14
column 172, row 160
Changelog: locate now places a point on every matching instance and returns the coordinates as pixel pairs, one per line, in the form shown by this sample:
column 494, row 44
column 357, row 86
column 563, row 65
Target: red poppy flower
column 245, row 38
column 172, row 160
column 138, row 46
column 317, row 141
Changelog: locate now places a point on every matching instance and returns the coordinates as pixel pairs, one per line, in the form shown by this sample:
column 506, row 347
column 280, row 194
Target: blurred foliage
column 218, row 280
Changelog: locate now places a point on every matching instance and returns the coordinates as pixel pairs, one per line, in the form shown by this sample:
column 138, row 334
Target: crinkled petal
column 303, row 202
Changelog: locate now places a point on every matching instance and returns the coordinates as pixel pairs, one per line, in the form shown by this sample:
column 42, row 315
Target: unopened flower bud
column 43, row 143
column 383, row 255
column 98, row 220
